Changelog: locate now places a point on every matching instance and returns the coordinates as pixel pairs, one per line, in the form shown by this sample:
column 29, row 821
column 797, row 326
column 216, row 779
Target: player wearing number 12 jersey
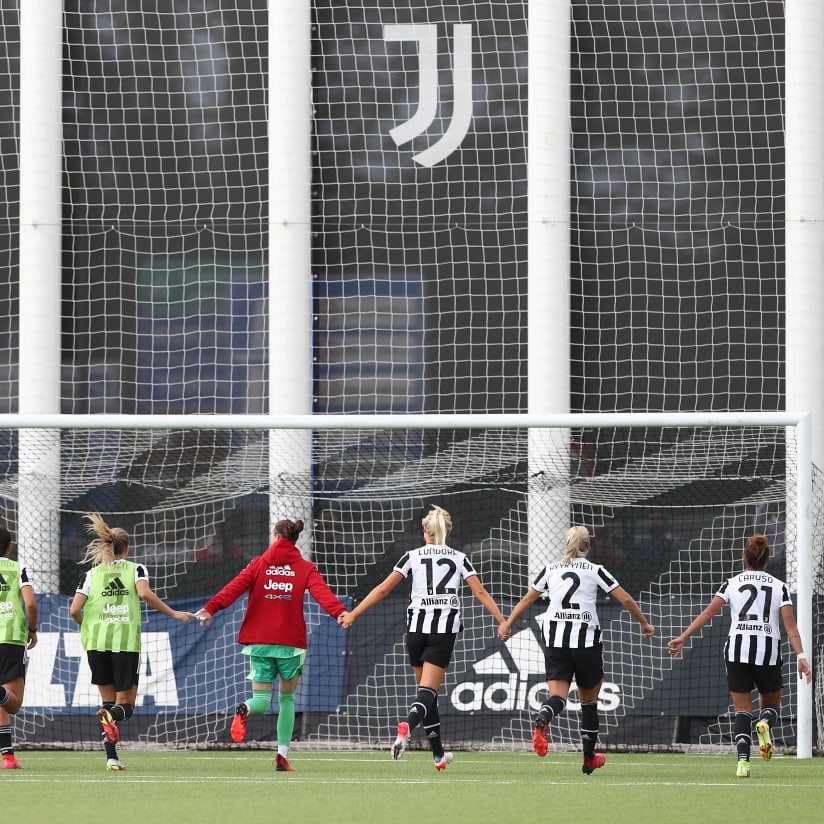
column 752, row 652
column 572, row 634
column 433, row 621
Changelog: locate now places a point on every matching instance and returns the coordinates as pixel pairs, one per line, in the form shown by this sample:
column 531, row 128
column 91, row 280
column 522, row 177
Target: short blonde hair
column 577, row 541
column 438, row 523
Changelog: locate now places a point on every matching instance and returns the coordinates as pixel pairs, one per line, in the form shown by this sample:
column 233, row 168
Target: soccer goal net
column 669, row 501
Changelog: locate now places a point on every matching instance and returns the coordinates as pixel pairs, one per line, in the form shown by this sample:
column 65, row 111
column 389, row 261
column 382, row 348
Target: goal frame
column 799, row 489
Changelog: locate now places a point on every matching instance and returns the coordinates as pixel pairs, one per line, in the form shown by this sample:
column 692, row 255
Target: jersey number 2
column 575, row 582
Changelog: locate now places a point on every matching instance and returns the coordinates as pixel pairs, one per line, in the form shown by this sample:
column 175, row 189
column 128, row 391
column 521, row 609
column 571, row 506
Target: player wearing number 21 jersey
column 437, row 572
column 759, row 603
column 755, row 600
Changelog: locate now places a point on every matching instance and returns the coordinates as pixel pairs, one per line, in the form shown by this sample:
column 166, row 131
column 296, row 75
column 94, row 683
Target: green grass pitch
column 240, row 786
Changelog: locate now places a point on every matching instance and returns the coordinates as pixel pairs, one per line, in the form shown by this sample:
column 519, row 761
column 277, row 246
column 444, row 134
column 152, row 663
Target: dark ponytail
column 289, row 529
column 757, row 552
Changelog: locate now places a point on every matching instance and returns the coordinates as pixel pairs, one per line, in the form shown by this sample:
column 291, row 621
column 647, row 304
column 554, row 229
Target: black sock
column 432, row 728
column 109, row 746
column 111, row 749
column 553, row 708
column 742, row 733
column 421, row 706
column 121, row 712
column 5, row 740
column 4, row 695
column 590, row 725
column 770, row 715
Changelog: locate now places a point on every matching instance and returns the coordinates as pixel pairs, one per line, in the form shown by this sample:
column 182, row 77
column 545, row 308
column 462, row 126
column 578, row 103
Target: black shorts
column 12, row 662
column 586, row 664
column 748, row 677
column 118, row 668
column 430, row 647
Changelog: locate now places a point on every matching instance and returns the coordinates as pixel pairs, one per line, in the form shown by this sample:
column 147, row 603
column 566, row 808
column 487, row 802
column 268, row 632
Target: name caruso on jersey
column 755, row 600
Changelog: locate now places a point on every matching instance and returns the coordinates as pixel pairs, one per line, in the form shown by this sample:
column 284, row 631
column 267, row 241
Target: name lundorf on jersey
column 436, row 571
column 276, row 589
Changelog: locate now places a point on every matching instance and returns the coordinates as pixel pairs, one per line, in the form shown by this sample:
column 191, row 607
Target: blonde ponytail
column 577, row 541
column 108, row 545
column 438, row 523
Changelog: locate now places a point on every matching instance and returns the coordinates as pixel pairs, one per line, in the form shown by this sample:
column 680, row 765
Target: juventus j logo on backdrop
column 426, row 36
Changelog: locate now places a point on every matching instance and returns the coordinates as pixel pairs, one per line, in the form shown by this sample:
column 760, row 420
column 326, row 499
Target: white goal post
column 379, row 466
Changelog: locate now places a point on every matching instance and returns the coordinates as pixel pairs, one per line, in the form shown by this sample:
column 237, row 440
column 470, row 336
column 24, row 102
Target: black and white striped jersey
column 572, row 618
column 437, row 572
column 755, row 600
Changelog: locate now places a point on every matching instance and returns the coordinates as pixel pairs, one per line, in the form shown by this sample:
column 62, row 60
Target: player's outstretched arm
column 794, row 637
column 505, row 629
column 482, row 594
column 676, row 644
column 146, row 594
column 30, row 605
column 631, row 606
column 374, row 597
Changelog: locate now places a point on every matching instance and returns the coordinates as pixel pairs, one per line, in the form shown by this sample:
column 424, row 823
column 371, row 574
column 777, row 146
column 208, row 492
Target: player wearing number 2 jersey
column 433, row 620
column 573, row 638
column 752, row 651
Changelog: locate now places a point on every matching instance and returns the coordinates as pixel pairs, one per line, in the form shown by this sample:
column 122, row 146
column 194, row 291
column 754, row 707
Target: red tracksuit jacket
column 276, row 582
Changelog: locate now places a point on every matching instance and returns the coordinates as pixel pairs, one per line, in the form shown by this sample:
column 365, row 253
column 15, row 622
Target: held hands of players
column 186, row 617
column 504, row 631
column 345, row 619
column 204, row 617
